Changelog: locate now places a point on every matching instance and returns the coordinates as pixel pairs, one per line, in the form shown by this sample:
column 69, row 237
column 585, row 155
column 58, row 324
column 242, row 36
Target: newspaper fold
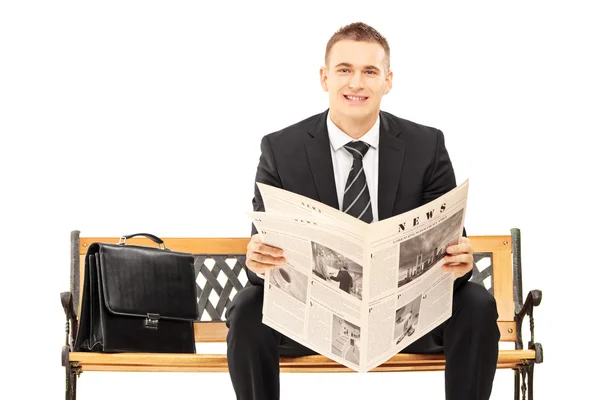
column 358, row 293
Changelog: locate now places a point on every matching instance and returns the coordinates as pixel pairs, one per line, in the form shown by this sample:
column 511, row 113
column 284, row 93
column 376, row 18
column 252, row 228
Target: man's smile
column 355, row 99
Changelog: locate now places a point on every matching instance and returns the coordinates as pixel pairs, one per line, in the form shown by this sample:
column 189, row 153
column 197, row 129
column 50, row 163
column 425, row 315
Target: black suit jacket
column 414, row 166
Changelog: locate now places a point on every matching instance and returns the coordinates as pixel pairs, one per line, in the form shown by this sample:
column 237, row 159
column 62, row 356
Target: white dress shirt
column 342, row 162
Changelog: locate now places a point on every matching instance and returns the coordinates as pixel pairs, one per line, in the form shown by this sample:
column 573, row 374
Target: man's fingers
column 460, row 268
column 460, row 258
column 261, row 257
column 463, row 246
column 266, row 259
column 459, row 248
column 258, row 268
column 268, row 250
column 256, row 245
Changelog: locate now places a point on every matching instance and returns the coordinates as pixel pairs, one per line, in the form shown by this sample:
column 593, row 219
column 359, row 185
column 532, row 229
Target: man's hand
column 459, row 258
column 260, row 257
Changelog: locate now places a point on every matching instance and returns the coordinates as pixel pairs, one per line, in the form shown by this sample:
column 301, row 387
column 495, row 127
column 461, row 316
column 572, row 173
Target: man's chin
column 358, row 114
column 353, row 113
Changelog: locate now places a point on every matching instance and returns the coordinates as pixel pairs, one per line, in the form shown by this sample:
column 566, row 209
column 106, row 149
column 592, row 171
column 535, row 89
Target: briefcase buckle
column 151, row 321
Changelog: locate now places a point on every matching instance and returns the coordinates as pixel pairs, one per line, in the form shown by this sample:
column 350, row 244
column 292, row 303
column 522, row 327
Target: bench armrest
column 534, row 298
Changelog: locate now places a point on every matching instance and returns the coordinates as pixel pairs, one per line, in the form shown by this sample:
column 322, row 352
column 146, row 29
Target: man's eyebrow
column 371, row 67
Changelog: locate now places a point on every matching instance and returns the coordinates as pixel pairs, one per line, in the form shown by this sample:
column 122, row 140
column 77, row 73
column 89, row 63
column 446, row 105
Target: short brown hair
column 359, row 32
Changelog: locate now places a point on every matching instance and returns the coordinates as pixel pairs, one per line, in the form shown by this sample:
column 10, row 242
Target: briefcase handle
column 155, row 239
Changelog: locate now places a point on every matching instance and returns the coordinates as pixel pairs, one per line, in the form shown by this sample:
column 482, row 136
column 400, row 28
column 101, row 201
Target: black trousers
column 469, row 341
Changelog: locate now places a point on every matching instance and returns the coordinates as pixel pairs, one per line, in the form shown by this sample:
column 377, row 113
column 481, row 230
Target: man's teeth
column 356, row 98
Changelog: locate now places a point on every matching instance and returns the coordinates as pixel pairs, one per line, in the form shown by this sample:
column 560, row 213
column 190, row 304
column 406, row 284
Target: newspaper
column 355, row 292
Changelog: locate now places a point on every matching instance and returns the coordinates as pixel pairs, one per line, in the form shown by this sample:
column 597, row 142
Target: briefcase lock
column 151, row 321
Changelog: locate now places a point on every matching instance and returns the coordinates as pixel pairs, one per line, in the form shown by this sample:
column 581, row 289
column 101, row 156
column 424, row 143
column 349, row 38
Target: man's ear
column 388, row 82
column 323, row 76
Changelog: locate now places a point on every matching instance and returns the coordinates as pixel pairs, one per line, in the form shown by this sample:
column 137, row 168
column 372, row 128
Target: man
column 373, row 165
column 344, row 278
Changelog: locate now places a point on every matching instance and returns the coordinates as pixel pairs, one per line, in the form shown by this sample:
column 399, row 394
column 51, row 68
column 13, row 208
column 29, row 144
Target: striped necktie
column 357, row 201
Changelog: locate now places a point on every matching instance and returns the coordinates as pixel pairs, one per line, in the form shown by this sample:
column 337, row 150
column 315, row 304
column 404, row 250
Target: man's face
column 356, row 78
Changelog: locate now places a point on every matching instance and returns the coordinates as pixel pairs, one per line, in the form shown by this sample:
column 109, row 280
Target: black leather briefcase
column 137, row 299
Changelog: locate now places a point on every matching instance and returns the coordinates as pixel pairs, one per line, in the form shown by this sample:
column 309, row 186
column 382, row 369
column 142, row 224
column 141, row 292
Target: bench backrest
column 220, row 275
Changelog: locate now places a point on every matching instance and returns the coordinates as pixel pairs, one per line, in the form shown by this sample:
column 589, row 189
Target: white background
column 125, row 116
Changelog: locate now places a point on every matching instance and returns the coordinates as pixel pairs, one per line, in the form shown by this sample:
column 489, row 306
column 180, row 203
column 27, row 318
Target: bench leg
column 72, row 373
column 524, row 381
column 530, row 381
column 517, row 382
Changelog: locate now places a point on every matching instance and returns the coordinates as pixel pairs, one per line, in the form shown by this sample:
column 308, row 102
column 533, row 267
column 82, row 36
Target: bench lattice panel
column 218, row 278
column 482, row 271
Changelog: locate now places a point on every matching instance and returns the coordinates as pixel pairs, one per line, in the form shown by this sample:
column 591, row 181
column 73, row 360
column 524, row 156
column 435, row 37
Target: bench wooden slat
column 508, row 331
column 503, row 287
column 189, row 245
column 215, row 359
column 218, row 362
column 238, row 245
column 491, row 243
column 293, row 369
column 216, row 332
column 210, row 332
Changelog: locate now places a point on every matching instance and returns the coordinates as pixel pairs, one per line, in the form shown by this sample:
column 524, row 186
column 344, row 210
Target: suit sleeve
column 266, row 173
column 337, row 277
column 441, row 180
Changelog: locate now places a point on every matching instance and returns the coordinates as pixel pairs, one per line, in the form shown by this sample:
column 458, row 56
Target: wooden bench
column 218, row 263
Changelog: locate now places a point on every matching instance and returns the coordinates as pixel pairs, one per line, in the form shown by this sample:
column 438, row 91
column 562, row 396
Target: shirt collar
column 339, row 138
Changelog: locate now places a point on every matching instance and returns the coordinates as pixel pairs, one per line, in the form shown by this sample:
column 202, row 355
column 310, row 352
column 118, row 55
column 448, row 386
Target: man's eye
column 344, row 70
column 371, row 72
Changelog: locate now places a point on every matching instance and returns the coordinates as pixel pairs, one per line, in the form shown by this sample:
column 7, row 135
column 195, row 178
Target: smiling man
column 355, row 83
column 372, row 165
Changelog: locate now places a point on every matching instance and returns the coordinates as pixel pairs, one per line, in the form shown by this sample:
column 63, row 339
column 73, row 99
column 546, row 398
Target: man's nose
column 356, row 83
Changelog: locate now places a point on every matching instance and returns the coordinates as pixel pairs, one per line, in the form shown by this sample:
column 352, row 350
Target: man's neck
column 355, row 128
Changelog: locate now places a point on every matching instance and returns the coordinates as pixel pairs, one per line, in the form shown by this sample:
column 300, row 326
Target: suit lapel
column 319, row 157
column 391, row 157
